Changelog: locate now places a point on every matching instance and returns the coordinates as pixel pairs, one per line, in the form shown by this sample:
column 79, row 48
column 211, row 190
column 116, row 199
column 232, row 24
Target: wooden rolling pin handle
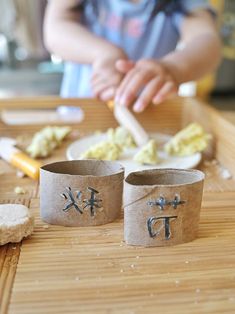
column 127, row 119
column 26, row 164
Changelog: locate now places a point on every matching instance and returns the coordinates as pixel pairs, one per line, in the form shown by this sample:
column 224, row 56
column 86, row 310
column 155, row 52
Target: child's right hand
column 105, row 77
column 146, row 81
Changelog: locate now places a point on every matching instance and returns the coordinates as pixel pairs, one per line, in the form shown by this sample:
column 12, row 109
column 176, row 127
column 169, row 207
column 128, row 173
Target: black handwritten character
column 176, row 201
column 92, row 202
column 165, row 225
column 160, row 202
column 71, row 202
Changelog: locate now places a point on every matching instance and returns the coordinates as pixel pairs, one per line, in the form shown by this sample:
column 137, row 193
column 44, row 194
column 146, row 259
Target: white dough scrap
column 16, row 223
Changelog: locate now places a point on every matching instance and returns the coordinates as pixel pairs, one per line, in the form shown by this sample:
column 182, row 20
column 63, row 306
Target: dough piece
column 16, row 223
column 147, row 154
column 19, row 190
column 188, row 141
column 122, row 137
column 105, row 150
column 46, row 140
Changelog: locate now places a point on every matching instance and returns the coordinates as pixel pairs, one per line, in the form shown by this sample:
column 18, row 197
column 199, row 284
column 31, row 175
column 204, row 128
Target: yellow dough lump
column 105, row 150
column 188, row 141
column 46, row 140
column 147, row 154
column 122, row 137
column 111, row 149
column 19, row 190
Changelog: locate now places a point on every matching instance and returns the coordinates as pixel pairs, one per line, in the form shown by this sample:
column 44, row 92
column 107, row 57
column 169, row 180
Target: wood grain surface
column 92, row 270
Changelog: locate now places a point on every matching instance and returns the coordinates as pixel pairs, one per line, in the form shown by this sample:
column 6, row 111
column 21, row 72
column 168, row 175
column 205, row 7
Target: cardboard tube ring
column 81, row 192
column 162, row 206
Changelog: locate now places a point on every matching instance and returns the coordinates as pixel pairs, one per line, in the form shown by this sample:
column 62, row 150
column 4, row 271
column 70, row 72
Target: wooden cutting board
column 91, row 270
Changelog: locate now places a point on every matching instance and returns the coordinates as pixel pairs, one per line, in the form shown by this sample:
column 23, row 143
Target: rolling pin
column 126, row 119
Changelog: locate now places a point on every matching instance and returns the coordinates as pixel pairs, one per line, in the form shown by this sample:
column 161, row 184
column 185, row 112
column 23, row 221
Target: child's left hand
column 145, row 82
column 105, row 77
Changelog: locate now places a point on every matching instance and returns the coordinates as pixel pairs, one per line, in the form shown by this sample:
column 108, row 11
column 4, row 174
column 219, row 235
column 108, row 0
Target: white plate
column 75, row 150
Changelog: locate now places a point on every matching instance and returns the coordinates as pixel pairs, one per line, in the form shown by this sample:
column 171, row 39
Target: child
column 125, row 49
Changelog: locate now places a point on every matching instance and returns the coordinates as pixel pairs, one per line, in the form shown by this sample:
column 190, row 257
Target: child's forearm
column 202, row 48
column 67, row 38
column 197, row 58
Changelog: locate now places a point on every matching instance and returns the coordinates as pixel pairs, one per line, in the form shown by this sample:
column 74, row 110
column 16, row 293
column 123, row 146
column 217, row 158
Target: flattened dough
column 16, row 223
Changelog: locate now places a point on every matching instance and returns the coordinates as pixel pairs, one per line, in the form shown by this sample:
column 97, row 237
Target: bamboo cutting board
column 91, row 270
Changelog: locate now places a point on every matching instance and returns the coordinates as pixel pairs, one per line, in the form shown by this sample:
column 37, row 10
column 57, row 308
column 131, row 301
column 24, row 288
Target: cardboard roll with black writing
column 81, row 192
column 162, row 206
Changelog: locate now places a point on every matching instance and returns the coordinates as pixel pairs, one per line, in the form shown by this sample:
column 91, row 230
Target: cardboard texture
column 162, row 206
column 81, row 192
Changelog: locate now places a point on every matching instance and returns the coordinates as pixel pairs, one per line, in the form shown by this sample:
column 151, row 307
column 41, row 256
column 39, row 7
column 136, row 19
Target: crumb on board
column 20, row 174
column 225, row 174
column 19, row 190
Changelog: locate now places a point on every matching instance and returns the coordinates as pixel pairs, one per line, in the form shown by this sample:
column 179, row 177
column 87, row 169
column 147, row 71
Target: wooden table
column 91, row 270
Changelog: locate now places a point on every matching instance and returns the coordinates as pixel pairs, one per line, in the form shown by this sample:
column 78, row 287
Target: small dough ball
column 16, row 223
column 105, row 150
column 19, row 190
column 147, row 154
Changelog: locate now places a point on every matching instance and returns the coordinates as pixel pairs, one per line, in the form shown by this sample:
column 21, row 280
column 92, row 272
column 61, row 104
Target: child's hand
column 145, row 82
column 105, row 77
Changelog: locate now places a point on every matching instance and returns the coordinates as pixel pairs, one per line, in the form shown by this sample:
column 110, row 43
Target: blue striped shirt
column 130, row 26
